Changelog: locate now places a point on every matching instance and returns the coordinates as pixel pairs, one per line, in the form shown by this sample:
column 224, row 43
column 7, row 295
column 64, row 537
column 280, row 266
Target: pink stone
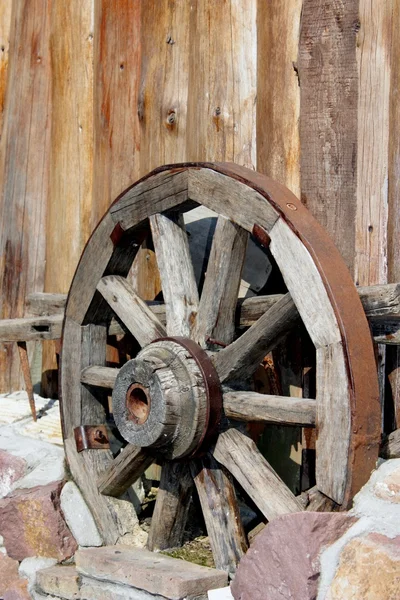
column 11, row 586
column 283, row 562
column 32, row 524
column 12, row 468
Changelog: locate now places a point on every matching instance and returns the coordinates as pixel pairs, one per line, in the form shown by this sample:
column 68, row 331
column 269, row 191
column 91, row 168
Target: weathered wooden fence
column 95, row 94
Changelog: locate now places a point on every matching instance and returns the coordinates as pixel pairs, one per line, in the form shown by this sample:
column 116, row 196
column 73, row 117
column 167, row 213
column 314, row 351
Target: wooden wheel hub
column 160, row 400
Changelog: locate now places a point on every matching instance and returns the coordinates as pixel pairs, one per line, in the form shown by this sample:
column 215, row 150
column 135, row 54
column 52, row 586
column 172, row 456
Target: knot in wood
column 160, row 401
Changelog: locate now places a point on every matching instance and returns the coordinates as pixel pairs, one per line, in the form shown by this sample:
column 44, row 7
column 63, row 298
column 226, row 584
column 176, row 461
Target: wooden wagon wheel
column 167, row 400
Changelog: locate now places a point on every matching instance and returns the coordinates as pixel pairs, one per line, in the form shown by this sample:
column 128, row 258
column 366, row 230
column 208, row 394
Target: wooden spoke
column 176, row 271
column 221, row 513
column 240, row 456
column 216, row 316
column 285, row 410
column 135, row 314
column 172, row 506
column 99, row 376
column 126, row 468
column 242, row 357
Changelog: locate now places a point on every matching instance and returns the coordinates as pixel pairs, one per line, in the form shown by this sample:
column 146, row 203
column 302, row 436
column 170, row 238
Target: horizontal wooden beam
column 285, row 410
column 34, row 328
column 381, row 305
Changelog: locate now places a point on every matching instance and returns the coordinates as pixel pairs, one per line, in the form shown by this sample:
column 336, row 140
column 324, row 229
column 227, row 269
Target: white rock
column 220, row 594
column 30, row 566
column 45, row 462
column 78, row 516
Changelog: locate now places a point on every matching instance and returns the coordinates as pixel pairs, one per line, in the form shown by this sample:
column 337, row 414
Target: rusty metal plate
column 91, row 437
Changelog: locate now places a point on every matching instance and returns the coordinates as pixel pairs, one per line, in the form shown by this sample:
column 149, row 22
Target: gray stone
column 284, row 561
column 95, row 590
column 30, row 567
column 153, row 573
column 60, row 581
column 78, row 516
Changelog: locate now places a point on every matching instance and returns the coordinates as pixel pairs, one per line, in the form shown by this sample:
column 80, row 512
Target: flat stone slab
column 151, row 572
column 59, row 581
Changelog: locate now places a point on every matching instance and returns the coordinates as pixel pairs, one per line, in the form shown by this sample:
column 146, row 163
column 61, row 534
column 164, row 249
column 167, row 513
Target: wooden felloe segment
column 250, row 406
column 176, row 272
column 216, row 316
column 221, row 513
column 234, row 200
column 333, row 421
column 133, row 312
column 163, row 191
column 91, row 268
column 314, row 306
column 172, row 506
column 243, row 356
column 126, row 468
column 240, row 456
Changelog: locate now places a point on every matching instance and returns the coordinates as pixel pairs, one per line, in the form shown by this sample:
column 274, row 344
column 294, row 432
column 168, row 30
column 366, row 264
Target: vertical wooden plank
column 164, row 83
column 328, row 117
column 23, row 168
column 5, row 25
column 117, row 53
column 71, row 161
column 222, row 82
column 278, row 91
column 393, row 354
column 373, row 62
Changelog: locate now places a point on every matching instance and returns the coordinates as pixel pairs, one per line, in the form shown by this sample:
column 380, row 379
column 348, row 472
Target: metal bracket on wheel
column 91, row 437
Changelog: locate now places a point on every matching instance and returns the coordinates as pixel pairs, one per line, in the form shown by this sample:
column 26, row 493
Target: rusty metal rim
column 213, row 392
